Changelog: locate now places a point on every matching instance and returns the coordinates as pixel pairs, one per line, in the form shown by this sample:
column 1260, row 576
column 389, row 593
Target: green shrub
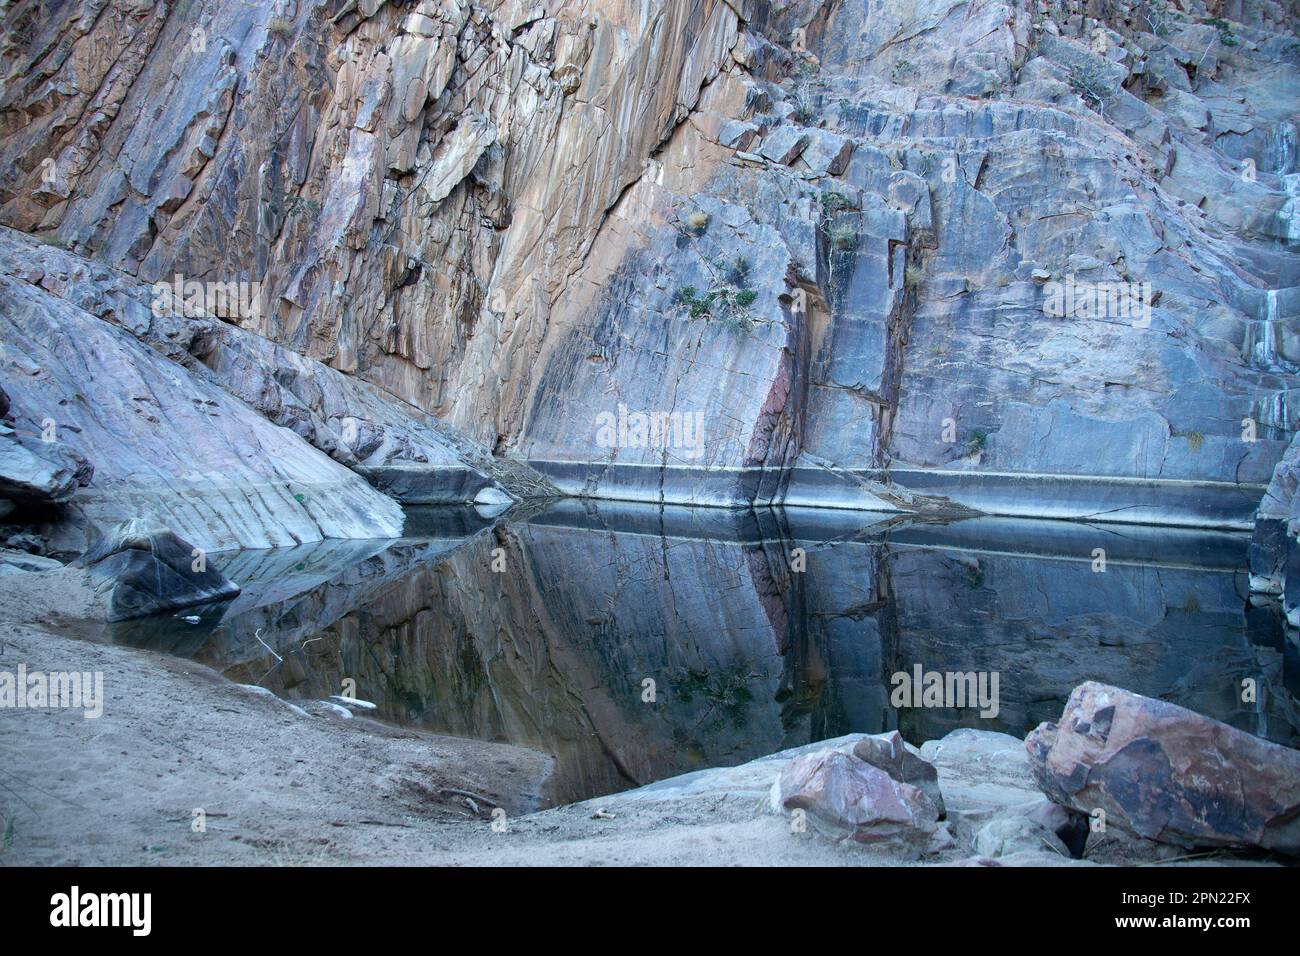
column 843, row 236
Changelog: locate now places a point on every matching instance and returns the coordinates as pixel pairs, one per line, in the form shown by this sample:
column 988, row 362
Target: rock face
column 1030, row 258
column 845, row 794
column 148, row 570
column 168, row 445
column 1168, row 774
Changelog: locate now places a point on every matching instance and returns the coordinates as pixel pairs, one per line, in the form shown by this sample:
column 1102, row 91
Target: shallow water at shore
column 634, row 643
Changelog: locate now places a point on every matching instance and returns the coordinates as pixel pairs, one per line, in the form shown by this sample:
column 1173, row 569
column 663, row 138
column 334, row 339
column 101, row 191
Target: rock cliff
column 1008, row 256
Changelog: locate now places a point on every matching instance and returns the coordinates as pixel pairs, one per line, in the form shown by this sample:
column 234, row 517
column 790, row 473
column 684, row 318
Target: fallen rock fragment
column 148, row 570
column 890, row 753
column 39, row 471
column 852, row 799
column 1168, row 774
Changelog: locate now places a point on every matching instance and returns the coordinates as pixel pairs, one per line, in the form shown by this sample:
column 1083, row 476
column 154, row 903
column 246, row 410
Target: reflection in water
column 556, row 631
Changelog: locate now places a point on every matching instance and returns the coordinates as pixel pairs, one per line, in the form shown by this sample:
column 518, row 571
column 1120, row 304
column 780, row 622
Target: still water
column 634, row 643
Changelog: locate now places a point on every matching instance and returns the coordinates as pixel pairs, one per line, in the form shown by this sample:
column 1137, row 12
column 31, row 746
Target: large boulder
column 1166, row 773
column 850, row 798
column 146, row 569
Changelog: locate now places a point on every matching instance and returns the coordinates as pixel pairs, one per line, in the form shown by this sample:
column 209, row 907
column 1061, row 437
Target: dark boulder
column 149, row 570
column 1167, row 773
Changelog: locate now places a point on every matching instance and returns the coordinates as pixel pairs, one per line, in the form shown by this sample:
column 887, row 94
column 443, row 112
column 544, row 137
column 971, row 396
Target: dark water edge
column 542, row 631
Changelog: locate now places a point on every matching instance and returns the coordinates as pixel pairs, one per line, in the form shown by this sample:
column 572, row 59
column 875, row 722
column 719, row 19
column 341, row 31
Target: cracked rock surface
column 821, row 233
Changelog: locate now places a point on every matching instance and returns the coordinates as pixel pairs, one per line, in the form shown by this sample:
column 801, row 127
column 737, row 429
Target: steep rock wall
column 812, row 241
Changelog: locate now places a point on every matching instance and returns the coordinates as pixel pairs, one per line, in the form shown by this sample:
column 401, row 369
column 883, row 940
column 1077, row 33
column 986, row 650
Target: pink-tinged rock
column 848, row 795
column 1168, row 774
column 890, row 753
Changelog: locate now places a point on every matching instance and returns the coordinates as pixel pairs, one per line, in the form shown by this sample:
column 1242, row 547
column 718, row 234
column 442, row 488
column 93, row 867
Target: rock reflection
column 634, row 643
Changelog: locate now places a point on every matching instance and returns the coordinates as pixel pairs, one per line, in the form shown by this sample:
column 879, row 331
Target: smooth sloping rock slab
column 169, row 445
column 846, row 794
column 1166, row 773
column 149, row 570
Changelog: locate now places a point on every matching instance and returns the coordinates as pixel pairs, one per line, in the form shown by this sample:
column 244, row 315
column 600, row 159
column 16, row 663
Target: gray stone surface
column 487, row 215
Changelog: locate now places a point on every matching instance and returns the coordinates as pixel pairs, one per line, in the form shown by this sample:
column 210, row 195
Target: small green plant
column 280, row 27
column 913, row 276
column 1226, row 36
column 843, row 236
column 728, row 302
column 1195, row 442
column 978, row 440
column 295, row 205
column 805, row 107
column 1091, row 86
column 836, row 201
column 1158, row 17
column 902, row 69
column 300, row 498
column 697, row 221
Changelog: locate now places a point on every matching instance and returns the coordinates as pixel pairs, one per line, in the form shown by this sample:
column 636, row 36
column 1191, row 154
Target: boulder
column 34, row 470
column 851, row 798
column 1168, row 774
column 890, row 753
column 147, row 569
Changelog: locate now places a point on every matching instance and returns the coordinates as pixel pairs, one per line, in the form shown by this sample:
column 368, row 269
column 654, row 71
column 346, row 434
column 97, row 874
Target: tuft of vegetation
column 1091, row 86
column 835, row 201
column 280, row 27
column 1195, row 442
column 977, row 442
column 727, row 694
column 901, row 70
column 727, row 302
column 299, row 206
column 697, row 221
column 843, row 236
column 1158, row 16
column 1226, row 36
column 913, row 276
column 805, row 107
